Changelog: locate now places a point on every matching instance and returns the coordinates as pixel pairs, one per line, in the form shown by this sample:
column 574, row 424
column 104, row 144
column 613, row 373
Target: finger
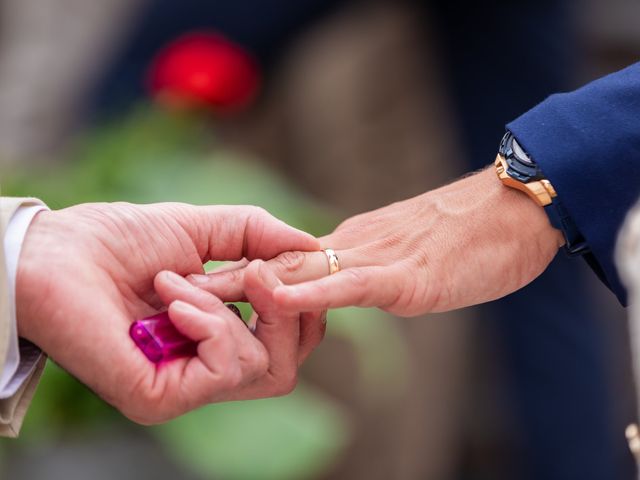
column 235, row 232
column 227, row 284
column 296, row 267
column 313, row 326
column 278, row 330
column 170, row 287
column 217, row 371
column 363, row 287
column 203, row 327
column 219, row 349
column 289, row 267
column 229, row 266
column 217, row 358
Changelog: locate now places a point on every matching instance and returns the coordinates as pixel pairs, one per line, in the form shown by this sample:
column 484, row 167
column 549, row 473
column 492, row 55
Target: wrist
column 485, row 241
column 520, row 215
column 31, row 285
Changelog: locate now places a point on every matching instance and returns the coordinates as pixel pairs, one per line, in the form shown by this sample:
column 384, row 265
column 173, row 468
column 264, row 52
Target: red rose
column 204, row 68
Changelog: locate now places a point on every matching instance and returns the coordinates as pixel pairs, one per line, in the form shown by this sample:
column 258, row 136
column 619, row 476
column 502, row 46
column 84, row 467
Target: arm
column 469, row 242
column 477, row 240
column 587, row 143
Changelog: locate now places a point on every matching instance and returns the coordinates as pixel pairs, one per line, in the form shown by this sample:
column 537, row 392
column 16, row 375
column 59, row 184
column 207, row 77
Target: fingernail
column 253, row 322
column 197, row 278
column 184, row 307
column 174, row 278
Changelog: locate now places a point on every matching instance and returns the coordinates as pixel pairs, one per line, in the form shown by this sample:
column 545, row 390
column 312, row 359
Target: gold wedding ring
column 334, row 264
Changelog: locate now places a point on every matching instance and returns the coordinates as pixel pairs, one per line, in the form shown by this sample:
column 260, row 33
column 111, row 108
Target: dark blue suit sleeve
column 587, row 143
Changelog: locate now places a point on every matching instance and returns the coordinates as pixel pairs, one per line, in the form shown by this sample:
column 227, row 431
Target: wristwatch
column 516, row 169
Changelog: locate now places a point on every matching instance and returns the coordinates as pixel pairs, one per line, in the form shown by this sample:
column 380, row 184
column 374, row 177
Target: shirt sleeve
column 22, row 356
column 587, row 143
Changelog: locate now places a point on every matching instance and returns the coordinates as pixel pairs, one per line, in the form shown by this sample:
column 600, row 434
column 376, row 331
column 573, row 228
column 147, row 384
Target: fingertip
column 258, row 286
column 312, row 244
column 164, row 286
column 251, row 273
column 167, row 278
column 186, row 318
column 260, row 275
column 300, row 239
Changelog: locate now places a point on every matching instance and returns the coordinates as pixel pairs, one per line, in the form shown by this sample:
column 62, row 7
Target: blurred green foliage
column 289, row 437
column 151, row 156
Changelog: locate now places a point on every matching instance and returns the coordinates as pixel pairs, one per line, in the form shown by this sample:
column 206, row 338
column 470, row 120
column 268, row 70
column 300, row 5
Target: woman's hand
column 87, row 272
column 469, row 242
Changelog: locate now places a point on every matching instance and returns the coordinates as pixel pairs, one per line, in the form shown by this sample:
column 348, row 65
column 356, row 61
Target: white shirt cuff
column 22, row 356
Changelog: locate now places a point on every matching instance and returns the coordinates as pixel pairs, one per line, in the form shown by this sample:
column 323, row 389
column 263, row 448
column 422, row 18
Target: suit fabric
column 587, row 143
column 13, row 409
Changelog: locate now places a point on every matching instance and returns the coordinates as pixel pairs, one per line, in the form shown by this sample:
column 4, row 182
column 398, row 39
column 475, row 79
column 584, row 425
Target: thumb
column 233, row 232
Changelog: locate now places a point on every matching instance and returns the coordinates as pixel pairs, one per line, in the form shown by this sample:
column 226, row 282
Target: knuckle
column 216, row 329
column 257, row 369
column 290, row 261
column 352, row 223
column 220, row 328
column 233, row 378
column 357, row 278
column 262, row 364
column 414, row 298
column 287, row 384
column 258, row 212
column 235, row 276
column 395, row 242
column 258, row 361
column 255, row 226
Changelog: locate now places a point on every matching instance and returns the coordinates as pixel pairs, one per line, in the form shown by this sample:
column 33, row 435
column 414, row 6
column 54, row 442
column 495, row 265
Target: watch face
column 520, row 154
column 520, row 165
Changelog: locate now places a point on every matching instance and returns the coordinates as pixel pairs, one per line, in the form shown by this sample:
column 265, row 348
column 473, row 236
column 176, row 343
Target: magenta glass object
column 159, row 340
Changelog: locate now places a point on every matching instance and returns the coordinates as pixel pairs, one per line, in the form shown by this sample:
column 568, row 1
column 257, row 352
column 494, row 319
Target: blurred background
column 317, row 110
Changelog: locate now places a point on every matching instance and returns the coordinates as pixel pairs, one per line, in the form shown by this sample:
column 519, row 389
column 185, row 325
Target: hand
column 85, row 273
column 469, row 242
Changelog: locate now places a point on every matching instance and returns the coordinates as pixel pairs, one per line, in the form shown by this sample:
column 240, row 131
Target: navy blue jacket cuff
column 587, row 143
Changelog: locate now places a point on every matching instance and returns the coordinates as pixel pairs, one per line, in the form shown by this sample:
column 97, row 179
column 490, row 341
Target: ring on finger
column 334, row 263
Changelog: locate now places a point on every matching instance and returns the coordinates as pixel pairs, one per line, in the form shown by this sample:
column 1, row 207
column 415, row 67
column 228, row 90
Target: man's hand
column 87, row 272
column 469, row 242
